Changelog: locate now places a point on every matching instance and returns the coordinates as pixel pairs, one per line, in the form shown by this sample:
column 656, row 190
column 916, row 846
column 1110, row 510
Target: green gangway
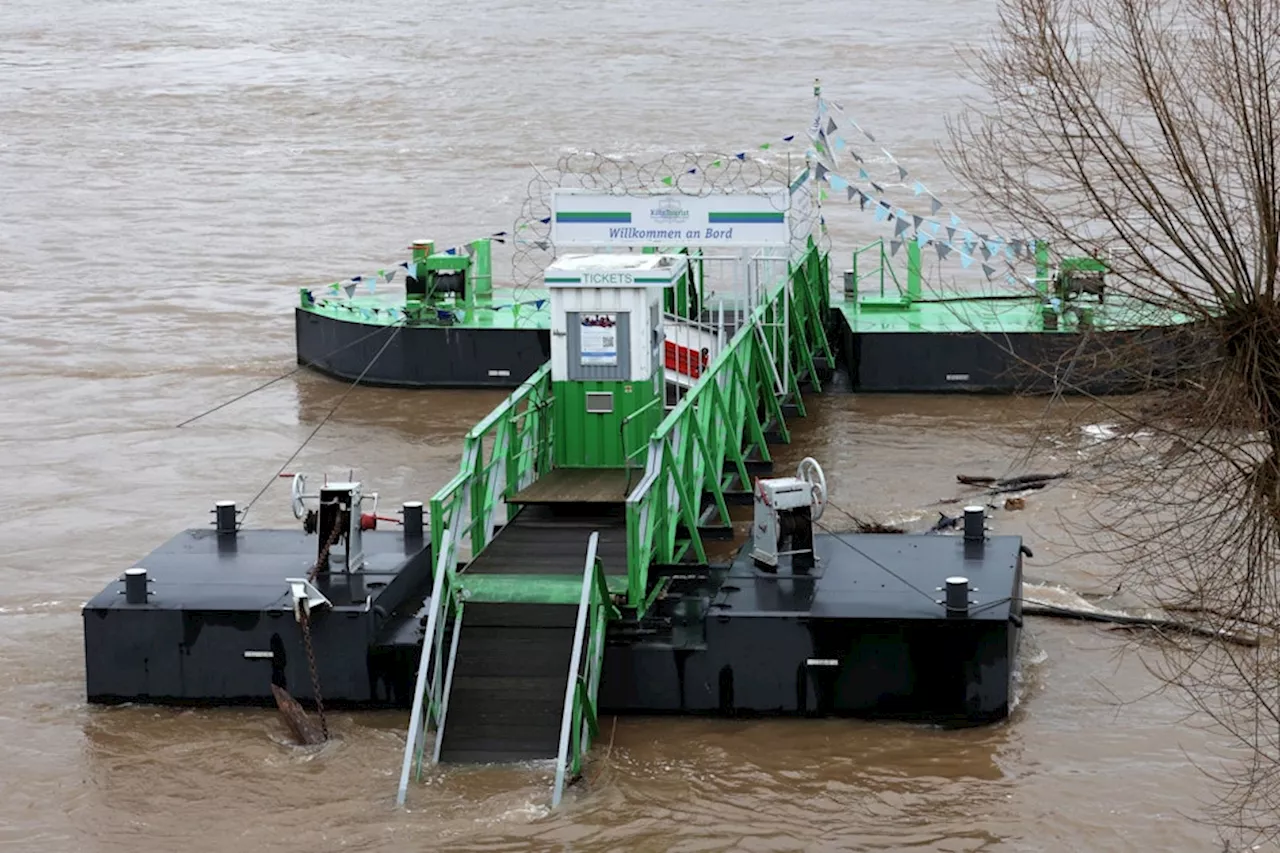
column 561, row 545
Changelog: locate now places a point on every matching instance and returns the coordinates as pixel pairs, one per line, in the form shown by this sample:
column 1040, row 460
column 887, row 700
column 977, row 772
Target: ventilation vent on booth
column 599, row 402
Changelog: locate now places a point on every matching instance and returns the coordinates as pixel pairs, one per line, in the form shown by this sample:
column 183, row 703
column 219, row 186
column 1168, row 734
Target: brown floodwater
column 172, row 172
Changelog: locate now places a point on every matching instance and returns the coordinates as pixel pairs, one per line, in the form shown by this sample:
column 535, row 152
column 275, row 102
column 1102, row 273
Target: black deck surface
column 540, row 541
column 878, row 576
column 200, row 570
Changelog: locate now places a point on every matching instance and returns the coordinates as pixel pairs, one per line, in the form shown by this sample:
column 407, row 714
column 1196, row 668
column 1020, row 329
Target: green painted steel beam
column 531, row 589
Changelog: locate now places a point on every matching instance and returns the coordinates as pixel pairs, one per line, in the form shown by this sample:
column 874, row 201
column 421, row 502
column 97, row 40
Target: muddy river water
column 171, row 172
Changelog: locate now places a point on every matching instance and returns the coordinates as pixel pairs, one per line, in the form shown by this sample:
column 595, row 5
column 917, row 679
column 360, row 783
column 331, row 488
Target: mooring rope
column 395, row 331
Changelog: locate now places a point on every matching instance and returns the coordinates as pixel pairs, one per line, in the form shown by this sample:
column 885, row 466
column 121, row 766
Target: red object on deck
column 368, row 521
column 685, row 360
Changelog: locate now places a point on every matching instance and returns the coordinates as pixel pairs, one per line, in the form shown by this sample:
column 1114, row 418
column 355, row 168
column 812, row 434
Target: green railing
column 872, row 262
column 721, row 420
column 502, row 454
column 579, row 724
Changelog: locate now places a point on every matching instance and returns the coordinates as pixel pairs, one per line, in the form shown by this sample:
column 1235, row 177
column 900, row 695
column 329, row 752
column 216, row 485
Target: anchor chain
column 315, row 675
column 306, row 633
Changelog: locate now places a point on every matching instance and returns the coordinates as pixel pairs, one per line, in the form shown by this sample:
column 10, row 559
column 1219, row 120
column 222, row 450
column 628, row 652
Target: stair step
column 488, row 614
column 489, row 756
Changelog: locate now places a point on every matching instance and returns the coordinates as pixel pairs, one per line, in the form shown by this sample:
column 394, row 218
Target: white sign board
column 587, row 218
column 598, row 340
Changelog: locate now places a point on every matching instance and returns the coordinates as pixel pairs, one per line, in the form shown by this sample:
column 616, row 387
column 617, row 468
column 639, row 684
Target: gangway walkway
column 514, row 640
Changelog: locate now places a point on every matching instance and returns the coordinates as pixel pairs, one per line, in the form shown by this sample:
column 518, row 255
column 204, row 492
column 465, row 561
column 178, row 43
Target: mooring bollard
column 135, row 586
column 975, row 523
column 411, row 515
column 957, row 596
column 225, row 514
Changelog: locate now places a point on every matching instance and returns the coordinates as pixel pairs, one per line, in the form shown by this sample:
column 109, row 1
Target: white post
column 566, row 719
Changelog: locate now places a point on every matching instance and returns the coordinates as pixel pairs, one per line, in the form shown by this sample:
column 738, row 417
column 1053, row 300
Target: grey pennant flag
column 350, row 290
column 951, row 234
column 934, row 204
column 943, row 250
column 854, row 191
column 820, row 171
column 917, row 221
column 902, row 174
column 831, row 126
column 989, row 271
column 877, row 188
column 894, row 246
column 900, row 227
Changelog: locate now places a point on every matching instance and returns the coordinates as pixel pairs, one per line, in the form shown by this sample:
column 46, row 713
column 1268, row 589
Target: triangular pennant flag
column 858, row 157
column 862, row 175
column 902, row 174
column 741, row 155
column 452, row 250
column 668, row 180
column 820, row 171
column 894, row 246
column 951, row 234
column 943, row 250
column 695, row 171
column 966, row 261
column 545, row 221
column 822, row 195
column 356, row 278
column 1016, row 246
column 988, row 271
column 840, row 143
column 933, row 228
column 877, row 188
column 831, row 125
column 882, row 213
column 854, row 192
column 867, row 133
column 922, row 239
column 955, row 221
column 336, row 286
column 917, row 221
column 373, row 284
column 349, row 289
column 986, row 253
column 918, row 188
column 765, row 147
column 900, row 227
column 541, row 244
column 934, row 205
column 837, row 182
column 788, row 138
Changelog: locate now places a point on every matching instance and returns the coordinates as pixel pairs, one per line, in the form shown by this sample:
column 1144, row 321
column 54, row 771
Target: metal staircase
column 515, row 636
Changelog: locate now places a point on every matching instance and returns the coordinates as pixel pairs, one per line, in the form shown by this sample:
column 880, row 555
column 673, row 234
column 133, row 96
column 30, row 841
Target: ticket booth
column 606, row 355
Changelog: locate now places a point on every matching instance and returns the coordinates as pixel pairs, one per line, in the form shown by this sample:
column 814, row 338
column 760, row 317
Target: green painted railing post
column 481, row 290
column 1042, row 267
column 914, row 271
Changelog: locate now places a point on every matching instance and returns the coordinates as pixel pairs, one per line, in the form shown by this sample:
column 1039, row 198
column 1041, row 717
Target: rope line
column 323, row 421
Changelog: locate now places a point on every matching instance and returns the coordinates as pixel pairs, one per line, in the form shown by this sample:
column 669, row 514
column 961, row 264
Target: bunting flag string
column 829, row 141
column 349, row 286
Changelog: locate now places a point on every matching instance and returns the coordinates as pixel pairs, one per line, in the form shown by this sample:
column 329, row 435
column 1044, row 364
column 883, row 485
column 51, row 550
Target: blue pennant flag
column 840, row 143
column 955, row 221
column 918, row 188
column 862, row 174
column 966, row 260
column 837, row 182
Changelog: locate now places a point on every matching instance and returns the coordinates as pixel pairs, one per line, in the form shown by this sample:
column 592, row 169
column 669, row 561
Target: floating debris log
column 1056, row 602
column 300, row 725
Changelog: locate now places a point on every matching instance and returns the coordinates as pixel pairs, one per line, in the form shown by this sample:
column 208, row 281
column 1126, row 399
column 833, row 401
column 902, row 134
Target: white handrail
column 424, row 664
column 566, row 720
column 448, row 685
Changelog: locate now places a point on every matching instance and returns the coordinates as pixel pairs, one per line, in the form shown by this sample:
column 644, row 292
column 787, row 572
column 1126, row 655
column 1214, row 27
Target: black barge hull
column 420, row 356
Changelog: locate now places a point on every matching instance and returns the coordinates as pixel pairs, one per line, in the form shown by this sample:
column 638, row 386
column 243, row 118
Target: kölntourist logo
column 669, row 210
